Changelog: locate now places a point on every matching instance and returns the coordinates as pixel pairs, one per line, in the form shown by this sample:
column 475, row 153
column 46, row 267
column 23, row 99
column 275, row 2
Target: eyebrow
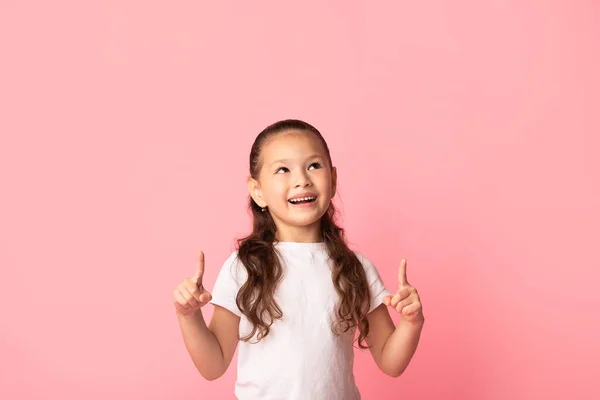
column 286, row 159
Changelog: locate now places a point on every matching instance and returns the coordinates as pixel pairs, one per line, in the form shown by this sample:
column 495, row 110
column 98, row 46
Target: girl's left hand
column 406, row 300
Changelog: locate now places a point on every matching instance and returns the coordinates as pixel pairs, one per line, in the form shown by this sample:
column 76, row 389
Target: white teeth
column 302, row 199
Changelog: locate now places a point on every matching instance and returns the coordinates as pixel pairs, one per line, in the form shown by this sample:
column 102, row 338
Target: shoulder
column 232, row 267
column 376, row 285
column 366, row 262
column 370, row 269
column 232, row 258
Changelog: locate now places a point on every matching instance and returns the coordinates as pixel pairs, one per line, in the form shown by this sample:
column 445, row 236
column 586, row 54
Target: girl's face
column 296, row 184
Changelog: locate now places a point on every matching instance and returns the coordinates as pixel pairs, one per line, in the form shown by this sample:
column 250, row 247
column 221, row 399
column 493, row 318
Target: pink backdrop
column 126, row 127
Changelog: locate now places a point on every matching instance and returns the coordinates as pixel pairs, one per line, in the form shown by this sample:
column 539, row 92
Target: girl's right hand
column 190, row 294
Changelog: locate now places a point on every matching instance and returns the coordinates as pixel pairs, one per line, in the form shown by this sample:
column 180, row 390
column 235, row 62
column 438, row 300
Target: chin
column 303, row 222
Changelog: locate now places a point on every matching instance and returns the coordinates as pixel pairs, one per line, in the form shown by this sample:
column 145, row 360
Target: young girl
column 293, row 294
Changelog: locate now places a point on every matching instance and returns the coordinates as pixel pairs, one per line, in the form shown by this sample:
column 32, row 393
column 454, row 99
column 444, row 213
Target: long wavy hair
column 256, row 298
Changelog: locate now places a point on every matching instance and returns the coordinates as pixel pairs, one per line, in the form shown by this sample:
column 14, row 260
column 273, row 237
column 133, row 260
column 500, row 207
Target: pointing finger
column 402, row 281
column 199, row 269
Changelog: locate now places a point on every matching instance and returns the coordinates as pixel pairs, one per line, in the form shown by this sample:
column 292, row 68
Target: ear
column 256, row 192
column 333, row 181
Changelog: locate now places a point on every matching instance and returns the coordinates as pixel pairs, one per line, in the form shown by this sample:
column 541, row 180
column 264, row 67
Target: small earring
column 263, row 209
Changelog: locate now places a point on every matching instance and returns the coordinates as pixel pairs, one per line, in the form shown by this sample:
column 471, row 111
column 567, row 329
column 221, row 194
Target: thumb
column 402, row 280
column 205, row 297
column 199, row 269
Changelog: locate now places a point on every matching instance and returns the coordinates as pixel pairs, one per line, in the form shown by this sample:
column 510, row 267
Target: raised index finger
column 402, row 281
column 199, row 268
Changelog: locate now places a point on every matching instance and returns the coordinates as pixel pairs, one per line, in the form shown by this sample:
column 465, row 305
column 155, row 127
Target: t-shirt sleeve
column 227, row 285
column 377, row 289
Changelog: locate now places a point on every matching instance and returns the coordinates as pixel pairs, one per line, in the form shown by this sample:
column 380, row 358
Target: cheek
column 324, row 184
column 276, row 189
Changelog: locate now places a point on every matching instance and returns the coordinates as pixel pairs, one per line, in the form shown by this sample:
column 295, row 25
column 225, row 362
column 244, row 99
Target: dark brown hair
column 255, row 298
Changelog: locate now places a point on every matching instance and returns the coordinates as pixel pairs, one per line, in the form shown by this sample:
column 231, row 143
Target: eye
column 315, row 164
column 284, row 169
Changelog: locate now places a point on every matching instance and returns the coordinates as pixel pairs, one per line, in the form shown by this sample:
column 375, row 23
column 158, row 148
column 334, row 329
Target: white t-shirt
column 301, row 358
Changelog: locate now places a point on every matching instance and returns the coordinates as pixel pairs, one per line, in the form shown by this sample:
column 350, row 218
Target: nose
column 302, row 180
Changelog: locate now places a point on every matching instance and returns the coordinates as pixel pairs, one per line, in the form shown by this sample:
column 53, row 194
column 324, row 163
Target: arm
column 392, row 347
column 211, row 348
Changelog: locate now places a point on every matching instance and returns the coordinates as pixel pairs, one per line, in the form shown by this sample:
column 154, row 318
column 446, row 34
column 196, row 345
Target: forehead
column 292, row 145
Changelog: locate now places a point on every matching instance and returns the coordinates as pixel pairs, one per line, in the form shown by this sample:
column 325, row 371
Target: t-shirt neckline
column 301, row 245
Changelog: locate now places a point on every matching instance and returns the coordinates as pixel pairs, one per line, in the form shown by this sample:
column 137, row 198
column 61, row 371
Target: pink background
column 126, row 127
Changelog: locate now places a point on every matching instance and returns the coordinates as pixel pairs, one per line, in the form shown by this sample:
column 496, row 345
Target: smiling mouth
column 303, row 200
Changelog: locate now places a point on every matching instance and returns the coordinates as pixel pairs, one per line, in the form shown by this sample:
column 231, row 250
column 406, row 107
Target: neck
column 300, row 234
